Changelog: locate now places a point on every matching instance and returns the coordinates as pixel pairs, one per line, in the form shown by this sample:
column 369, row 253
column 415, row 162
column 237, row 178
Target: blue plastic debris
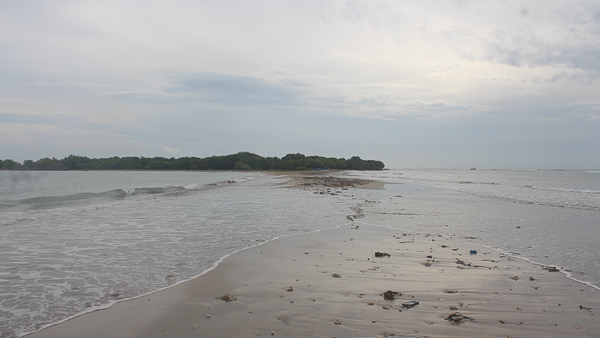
column 473, row 252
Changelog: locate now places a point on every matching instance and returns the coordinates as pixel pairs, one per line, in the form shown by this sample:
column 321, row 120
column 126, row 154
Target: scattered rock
column 461, row 262
column 515, row 278
column 382, row 254
column 457, row 318
column 227, row 297
column 337, row 322
column 531, row 278
column 450, row 291
column 391, row 295
column 410, row 304
column 290, row 289
column 335, row 275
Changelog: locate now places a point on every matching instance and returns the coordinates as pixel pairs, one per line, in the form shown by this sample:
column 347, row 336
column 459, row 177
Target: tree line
column 239, row 161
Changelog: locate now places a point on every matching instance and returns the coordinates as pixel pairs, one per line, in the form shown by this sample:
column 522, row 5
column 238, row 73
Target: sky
column 415, row 84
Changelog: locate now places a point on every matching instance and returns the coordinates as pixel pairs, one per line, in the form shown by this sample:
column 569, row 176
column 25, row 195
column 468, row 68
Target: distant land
column 239, row 161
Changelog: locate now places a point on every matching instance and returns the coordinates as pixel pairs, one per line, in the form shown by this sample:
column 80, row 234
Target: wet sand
column 330, row 284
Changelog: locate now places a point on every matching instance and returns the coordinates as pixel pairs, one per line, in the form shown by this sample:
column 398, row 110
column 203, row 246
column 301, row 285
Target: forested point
column 239, row 161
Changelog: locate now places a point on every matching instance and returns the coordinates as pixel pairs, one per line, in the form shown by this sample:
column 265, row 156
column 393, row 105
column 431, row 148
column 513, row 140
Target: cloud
column 197, row 77
column 170, row 151
column 235, row 90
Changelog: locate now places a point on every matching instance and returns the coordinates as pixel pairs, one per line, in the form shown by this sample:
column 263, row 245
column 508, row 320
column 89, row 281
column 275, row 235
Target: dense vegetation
column 239, row 161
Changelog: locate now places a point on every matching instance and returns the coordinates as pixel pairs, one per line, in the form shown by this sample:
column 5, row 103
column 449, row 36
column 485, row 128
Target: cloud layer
column 415, row 84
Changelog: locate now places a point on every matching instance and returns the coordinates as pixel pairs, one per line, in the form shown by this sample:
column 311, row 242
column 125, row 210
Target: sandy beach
column 330, row 284
column 359, row 280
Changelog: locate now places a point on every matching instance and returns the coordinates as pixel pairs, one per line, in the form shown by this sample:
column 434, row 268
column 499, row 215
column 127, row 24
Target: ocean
column 75, row 242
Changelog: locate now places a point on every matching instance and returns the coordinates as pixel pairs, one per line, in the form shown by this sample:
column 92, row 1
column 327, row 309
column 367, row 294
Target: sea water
column 550, row 217
column 73, row 242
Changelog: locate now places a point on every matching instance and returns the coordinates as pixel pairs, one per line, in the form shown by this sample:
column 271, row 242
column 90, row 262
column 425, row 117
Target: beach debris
column 531, row 278
column 227, row 297
column 282, row 318
column 337, row 322
column 515, row 278
column 458, row 318
column 518, row 227
column 444, row 246
column 453, row 307
column 427, row 264
column 581, row 307
column 461, row 262
column 410, row 304
column 336, row 275
column 290, row 289
column 389, row 334
column 272, row 333
column 382, row 254
column 391, row 295
column 473, row 252
column 551, row 268
column 450, row 291
column 386, row 307
column 195, row 328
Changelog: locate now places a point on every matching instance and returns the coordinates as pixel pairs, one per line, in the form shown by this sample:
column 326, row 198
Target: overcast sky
column 447, row 84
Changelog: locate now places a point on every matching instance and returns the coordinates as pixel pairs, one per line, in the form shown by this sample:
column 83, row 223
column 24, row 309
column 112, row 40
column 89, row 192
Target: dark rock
column 391, row 295
column 457, row 318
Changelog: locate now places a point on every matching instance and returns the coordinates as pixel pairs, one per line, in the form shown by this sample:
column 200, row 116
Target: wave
column 471, row 182
column 583, row 191
column 48, row 202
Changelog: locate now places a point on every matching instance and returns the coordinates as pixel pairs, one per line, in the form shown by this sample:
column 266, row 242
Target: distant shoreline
column 243, row 161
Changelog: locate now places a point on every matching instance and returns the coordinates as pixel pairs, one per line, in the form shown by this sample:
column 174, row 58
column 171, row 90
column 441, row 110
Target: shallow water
column 556, row 223
column 63, row 252
column 62, row 259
